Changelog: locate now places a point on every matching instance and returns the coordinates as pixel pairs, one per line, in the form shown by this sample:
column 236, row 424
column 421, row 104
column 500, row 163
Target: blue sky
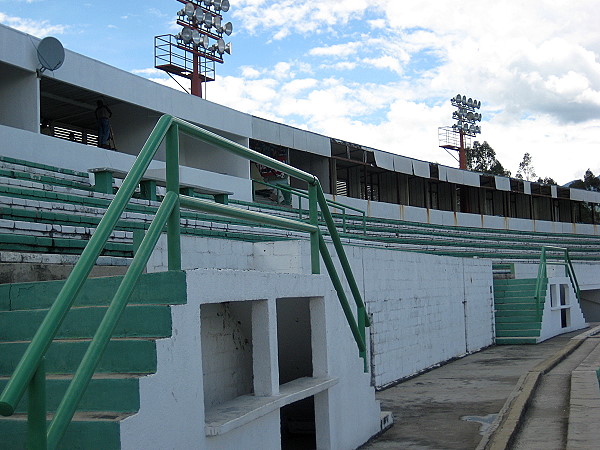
column 378, row 72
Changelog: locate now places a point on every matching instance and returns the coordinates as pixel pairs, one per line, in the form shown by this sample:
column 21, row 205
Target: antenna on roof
column 51, row 54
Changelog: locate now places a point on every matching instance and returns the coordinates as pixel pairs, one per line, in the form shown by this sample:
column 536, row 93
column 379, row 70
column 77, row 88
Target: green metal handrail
column 30, row 372
column 543, row 275
column 301, row 194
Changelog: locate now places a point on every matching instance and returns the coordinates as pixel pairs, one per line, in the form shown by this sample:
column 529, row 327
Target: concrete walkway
column 453, row 406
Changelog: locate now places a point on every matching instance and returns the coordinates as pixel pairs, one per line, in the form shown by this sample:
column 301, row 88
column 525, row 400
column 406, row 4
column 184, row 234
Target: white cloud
column 148, row 72
column 535, row 66
column 40, row 29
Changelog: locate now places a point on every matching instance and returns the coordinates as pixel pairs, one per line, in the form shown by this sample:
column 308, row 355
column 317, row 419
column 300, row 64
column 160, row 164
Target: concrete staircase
column 517, row 321
column 113, row 393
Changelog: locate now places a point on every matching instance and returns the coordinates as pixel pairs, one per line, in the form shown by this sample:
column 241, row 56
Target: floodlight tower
column 465, row 127
column 201, row 36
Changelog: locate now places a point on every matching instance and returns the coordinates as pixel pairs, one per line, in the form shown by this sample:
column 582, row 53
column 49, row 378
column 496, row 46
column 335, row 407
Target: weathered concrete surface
column 544, row 424
column 439, row 409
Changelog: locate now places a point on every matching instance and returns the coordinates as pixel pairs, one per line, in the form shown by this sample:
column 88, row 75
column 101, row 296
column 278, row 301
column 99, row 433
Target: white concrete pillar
column 318, row 337
column 264, row 348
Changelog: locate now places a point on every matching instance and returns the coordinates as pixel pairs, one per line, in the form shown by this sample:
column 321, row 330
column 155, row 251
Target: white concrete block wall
column 416, row 303
column 204, row 253
column 227, row 350
column 551, row 316
column 416, row 300
column 172, row 413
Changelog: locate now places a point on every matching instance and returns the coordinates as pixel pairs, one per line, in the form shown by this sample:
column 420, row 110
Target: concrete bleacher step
column 121, row 356
column 140, row 321
column 113, row 392
column 516, row 315
column 516, row 340
column 88, row 430
column 105, row 392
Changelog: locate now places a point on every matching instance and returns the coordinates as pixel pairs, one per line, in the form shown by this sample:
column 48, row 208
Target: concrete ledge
column 584, row 404
column 246, row 408
column 504, row 428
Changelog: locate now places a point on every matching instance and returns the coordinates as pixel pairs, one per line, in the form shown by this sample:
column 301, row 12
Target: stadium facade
column 258, row 349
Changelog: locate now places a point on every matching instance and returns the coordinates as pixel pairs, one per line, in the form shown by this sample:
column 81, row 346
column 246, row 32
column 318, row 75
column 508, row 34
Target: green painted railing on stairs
column 543, row 274
column 30, row 372
column 332, row 203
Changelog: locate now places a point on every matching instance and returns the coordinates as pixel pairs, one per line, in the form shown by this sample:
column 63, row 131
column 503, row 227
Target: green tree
column 546, row 180
column 482, row 158
column 526, row 171
column 590, row 182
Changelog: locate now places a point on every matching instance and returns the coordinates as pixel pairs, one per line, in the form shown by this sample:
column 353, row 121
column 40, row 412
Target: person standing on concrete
column 103, row 115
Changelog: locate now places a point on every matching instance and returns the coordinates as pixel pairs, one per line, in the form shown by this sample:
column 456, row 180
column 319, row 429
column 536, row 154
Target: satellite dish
column 51, row 53
column 228, row 28
column 224, row 5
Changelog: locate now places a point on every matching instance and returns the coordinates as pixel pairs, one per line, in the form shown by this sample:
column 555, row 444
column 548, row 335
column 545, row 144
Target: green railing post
column 538, row 284
column 314, row 220
column 30, row 371
column 36, row 409
column 174, row 221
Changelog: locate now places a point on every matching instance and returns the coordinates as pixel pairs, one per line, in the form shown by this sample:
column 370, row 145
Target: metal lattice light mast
column 193, row 52
column 455, row 137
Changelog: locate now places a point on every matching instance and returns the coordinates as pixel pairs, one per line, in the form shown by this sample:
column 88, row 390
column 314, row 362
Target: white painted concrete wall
column 551, row 316
column 425, row 309
column 26, row 145
column 22, row 88
column 450, row 218
column 172, row 413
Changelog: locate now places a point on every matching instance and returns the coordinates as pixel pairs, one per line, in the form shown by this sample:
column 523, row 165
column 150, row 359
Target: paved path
column 452, row 406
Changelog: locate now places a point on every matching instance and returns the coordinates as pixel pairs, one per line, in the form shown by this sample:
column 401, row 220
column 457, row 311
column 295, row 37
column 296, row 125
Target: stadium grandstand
column 215, row 278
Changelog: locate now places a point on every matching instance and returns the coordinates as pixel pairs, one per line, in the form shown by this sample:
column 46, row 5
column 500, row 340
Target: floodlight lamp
column 217, row 4
column 186, row 35
column 208, row 2
column 225, row 5
column 189, row 10
column 470, row 102
column 228, row 48
column 470, row 116
column 221, row 46
column 228, row 28
column 464, row 100
column 204, row 41
column 217, row 23
column 208, row 20
column 181, row 13
column 458, row 98
column 196, row 37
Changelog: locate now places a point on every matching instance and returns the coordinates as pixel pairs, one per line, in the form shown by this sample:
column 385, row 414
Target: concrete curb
column 501, row 433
